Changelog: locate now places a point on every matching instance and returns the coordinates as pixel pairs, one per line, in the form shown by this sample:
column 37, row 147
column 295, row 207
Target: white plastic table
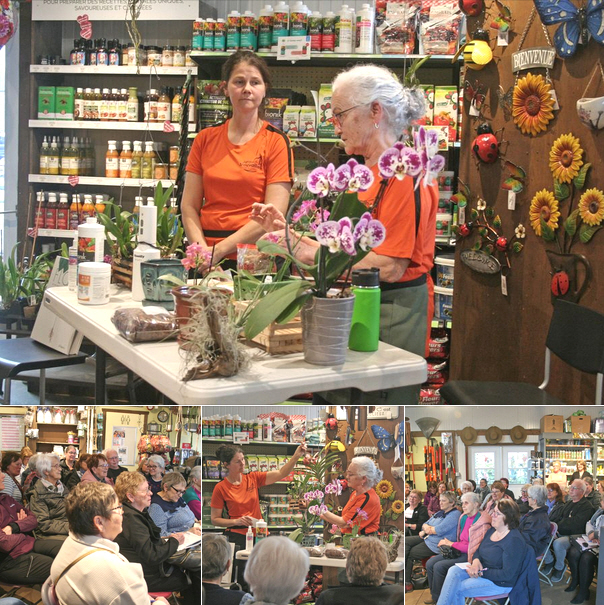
column 268, row 379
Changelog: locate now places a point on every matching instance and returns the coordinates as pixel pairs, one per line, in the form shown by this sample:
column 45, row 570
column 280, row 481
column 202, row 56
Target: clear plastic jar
column 179, row 56
column 167, row 56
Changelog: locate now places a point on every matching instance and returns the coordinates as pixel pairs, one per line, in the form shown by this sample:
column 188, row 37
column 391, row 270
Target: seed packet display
column 440, row 22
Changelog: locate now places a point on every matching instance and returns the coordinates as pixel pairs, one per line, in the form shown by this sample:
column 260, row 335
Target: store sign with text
column 114, row 10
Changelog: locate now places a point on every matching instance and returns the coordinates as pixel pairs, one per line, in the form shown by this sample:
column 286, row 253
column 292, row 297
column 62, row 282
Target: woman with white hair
column 192, row 495
column 535, row 525
column 156, row 466
column 371, row 110
column 276, row 570
column 363, row 507
column 438, row 566
column 47, row 499
column 466, row 487
column 216, row 557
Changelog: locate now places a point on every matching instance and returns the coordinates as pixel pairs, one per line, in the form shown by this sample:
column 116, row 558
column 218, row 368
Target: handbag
column 189, row 558
column 449, row 552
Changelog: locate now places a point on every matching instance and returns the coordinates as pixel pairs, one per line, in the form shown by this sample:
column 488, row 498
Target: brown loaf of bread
column 336, row 553
column 144, row 325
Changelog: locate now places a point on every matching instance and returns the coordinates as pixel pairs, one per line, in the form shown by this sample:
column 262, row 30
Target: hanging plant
column 532, row 104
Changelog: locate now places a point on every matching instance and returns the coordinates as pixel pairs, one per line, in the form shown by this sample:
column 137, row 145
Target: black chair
column 23, row 354
column 576, row 335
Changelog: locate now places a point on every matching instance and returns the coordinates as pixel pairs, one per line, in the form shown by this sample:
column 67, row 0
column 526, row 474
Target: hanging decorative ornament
column 485, row 146
column 471, row 8
column 477, row 52
column 591, row 110
column 532, row 105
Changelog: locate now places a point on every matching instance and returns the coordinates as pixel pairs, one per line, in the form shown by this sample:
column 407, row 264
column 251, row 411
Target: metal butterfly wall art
column 577, row 23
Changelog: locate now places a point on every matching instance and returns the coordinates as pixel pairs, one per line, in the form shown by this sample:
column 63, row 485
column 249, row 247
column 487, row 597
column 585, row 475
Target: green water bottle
column 365, row 330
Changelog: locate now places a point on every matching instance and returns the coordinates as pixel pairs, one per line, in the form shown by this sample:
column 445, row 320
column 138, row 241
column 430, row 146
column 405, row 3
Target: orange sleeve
column 194, row 162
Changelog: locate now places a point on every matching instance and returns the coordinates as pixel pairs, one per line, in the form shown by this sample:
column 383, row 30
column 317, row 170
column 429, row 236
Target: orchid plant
column 330, row 212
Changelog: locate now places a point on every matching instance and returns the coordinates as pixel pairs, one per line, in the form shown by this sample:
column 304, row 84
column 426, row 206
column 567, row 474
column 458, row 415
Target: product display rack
column 53, row 433
column 114, row 70
column 568, row 448
column 90, row 125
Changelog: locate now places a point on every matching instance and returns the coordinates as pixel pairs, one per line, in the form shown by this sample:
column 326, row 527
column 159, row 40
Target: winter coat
column 575, row 516
column 18, row 543
column 49, row 508
column 527, row 589
column 536, row 530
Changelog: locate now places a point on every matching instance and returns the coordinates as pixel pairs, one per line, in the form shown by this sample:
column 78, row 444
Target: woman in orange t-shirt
column 235, row 164
column 363, row 506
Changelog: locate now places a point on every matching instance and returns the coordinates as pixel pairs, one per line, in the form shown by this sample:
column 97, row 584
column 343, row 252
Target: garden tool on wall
column 427, row 426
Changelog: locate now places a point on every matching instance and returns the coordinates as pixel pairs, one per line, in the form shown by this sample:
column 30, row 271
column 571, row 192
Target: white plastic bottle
column 280, row 21
column 344, row 31
column 265, row 28
column 365, row 28
column 249, row 540
column 91, row 240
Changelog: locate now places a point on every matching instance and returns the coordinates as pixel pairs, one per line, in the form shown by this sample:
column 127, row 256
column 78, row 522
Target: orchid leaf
column 579, row 180
column 347, row 204
column 586, row 232
column 561, row 190
column 570, row 224
column 277, row 250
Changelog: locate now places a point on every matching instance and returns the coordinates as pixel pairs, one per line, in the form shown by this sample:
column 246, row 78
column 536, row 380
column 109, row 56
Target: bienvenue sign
column 540, row 56
column 113, row 10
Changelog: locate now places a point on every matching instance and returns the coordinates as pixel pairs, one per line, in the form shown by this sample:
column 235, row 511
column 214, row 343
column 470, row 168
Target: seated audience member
column 103, row 575
column 365, row 568
column 47, row 499
column 142, row 465
column 407, row 492
column 535, row 525
column 581, row 471
column 591, row 493
column 508, row 492
column 26, row 455
column 79, row 468
column 156, row 466
column 522, row 500
column 97, row 470
column 23, row 560
column 497, row 494
column 216, row 554
column 483, row 489
column 466, row 487
column 583, row 563
column 114, row 470
column 416, row 514
column 276, row 570
column 68, row 462
column 555, row 502
column 575, row 514
column 192, row 495
column 168, row 510
column 29, row 476
column 438, row 566
column 601, row 488
column 11, row 466
column 441, row 525
column 431, row 492
column 537, row 481
column 434, row 505
column 497, row 564
column 164, row 568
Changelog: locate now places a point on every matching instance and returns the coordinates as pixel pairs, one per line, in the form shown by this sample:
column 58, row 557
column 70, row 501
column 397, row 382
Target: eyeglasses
column 55, row 466
column 119, row 508
column 151, row 466
column 103, row 466
column 178, row 491
column 496, row 513
column 337, row 115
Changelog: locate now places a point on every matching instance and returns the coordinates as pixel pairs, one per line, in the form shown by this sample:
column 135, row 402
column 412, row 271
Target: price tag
column 461, row 214
column 474, row 111
column 511, row 200
column 504, row 285
column 554, row 96
column 294, row 48
column 241, row 437
column 502, row 38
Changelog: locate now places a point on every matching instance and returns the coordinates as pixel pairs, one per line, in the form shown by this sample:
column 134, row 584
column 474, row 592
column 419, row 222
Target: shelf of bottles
column 90, row 125
column 117, row 70
column 98, row 180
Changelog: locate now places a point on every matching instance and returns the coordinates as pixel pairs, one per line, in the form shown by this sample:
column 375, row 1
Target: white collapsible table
column 268, row 379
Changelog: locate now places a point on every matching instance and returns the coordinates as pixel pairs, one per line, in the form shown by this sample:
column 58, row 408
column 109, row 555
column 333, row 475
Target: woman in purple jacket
column 23, row 560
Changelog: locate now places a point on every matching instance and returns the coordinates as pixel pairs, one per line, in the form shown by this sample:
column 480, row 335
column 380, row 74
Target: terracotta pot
column 183, row 304
column 565, row 275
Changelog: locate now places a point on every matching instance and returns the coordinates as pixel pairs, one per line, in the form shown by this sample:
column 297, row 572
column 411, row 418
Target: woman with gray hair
column 168, row 510
column 276, row 570
column 47, row 499
column 466, row 487
column 371, row 110
column 192, row 495
column 363, row 507
column 535, row 525
column 438, row 566
column 156, row 466
column 216, row 561
column 365, row 568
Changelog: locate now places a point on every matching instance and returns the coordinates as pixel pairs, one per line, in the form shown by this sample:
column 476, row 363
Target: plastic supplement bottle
column 280, row 21
column 365, row 28
column 265, row 28
column 345, row 31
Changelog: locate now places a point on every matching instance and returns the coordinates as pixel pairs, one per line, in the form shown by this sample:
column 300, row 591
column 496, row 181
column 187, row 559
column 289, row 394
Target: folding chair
column 541, row 558
column 494, row 600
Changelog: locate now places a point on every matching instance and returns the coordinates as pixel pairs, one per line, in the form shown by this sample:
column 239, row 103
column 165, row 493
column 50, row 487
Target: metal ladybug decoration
column 471, row 8
column 560, row 283
column 331, row 423
column 485, row 146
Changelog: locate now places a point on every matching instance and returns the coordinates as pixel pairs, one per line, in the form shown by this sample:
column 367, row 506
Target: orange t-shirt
column 396, row 211
column 236, row 176
column 368, row 502
column 239, row 500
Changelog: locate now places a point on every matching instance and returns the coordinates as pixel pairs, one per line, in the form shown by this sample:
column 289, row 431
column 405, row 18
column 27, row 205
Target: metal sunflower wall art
column 532, row 104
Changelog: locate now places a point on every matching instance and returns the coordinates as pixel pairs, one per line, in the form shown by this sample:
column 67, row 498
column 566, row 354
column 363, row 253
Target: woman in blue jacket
column 535, row 525
column 442, row 524
column 497, row 564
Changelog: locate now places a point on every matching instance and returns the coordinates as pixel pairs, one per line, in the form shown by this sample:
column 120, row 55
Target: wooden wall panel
column 503, row 338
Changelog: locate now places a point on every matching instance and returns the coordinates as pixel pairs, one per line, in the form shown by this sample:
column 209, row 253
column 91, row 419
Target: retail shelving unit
column 568, row 448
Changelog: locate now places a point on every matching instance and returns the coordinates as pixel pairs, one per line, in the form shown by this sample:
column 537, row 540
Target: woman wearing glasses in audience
column 156, row 467
column 168, row 510
column 97, row 470
column 89, row 567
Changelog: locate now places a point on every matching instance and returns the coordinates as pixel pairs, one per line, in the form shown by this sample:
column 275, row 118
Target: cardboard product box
column 580, row 424
column 552, row 423
column 446, row 109
column 325, row 126
column 428, row 117
column 291, row 121
column 308, row 122
column 64, row 101
column 46, row 102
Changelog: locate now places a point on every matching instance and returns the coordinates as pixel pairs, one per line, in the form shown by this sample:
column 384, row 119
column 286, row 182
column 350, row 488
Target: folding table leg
column 100, row 392
column 42, row 386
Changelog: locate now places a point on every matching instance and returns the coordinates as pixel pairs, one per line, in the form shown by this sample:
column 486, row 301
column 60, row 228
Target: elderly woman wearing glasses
column 97, row 470
column 95, row 519
column 156, row 467
column 168, row 509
